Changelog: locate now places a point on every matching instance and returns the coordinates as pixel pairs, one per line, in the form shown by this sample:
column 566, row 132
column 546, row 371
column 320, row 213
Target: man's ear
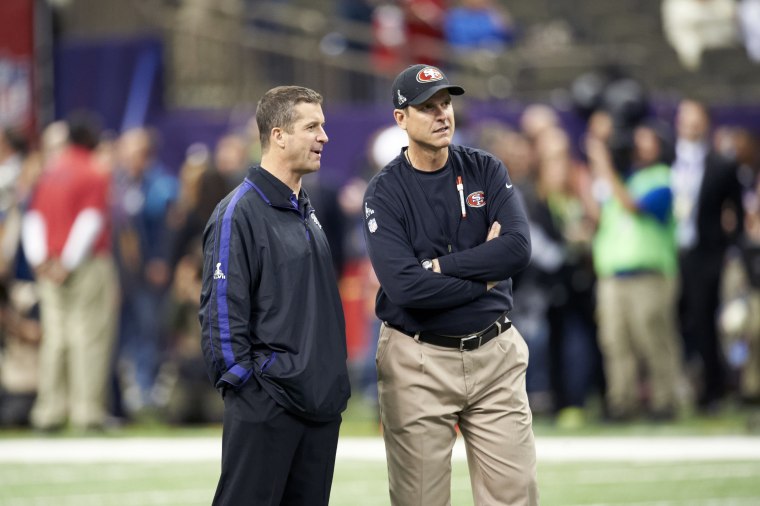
column 400, row 116
column 277, row 137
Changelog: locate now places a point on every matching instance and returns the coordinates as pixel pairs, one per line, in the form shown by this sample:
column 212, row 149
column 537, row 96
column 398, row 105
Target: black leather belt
column 462, row 343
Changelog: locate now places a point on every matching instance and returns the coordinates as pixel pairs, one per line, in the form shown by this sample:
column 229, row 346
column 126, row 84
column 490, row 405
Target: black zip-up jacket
column 412, row 215
column 269, row 304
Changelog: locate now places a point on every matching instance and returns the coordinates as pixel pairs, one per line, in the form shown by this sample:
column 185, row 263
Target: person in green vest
column 635, row 259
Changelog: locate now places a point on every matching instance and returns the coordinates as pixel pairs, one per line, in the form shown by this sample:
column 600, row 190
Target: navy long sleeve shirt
column 412, row 215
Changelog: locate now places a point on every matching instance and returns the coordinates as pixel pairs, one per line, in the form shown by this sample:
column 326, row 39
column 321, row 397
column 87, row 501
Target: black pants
column 701, row 275
column 271, row 457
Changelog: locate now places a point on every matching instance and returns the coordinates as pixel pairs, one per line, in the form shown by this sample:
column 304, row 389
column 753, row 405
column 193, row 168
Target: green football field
column 361, row 483
column 696, row 461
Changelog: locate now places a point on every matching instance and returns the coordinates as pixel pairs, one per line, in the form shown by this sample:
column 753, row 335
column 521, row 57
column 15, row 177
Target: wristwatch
column 426, row 263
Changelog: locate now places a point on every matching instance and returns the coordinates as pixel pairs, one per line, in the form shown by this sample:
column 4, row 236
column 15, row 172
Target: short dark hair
column 275, row 109
column 16, row 139
column 84, row 128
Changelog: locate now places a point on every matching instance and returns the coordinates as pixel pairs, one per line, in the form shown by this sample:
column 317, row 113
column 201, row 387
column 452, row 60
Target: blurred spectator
column 384, row 145
column 359, row 13
column 201, row 187
column 636, row 262
column 13, row 265
column 182, row 391
column 389, row 35
column 13, row 147
column 739, row 319
column 707, row 196
column 231, row 158
column 692, row 26
column 19, row 311
column 564, row 186
column 324, row 198
column 749, row 21
column 512, row 147
column 358, row 286
column 189, row 396
column 15, row 169
column 561, row 265
column 53, row 140
column 740, row 312
column 143, row 193
column 747, row 154
column 20, row 335
column 182, row 387
column 66, row 237
column 515, row 151
column 536, row 118
column 106, row 152
column 424, row 21
column 532, row 286
column 479, row 25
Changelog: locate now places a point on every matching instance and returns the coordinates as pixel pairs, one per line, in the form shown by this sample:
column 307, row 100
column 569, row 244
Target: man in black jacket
column 706, row 192
column 273, row 334
column 445, row 231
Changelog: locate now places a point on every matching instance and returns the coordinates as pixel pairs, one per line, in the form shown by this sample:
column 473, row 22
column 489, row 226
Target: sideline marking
column 548, row 449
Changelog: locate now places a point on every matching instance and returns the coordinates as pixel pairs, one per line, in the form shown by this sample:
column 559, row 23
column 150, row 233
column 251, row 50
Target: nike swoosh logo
column 508, row 186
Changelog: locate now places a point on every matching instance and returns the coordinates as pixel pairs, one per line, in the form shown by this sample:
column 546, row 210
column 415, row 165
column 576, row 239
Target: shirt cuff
column 235, row 377
column 448, row 266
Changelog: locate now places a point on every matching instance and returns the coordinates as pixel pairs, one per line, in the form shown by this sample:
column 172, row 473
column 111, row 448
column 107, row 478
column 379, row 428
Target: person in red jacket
column 65, row 235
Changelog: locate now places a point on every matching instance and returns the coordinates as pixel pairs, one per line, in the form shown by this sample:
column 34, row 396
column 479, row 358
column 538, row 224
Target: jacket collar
column 272, row 190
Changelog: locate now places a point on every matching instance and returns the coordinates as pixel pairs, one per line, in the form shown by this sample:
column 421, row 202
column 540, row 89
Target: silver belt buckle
column 479, row 337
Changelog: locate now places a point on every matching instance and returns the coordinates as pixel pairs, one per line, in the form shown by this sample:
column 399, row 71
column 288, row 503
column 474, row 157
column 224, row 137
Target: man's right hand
column 493, row 233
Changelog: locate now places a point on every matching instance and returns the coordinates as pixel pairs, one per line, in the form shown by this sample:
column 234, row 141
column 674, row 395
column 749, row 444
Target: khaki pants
column 637, row 326
column 750, row 377
column 426, row 390
column 78, row 329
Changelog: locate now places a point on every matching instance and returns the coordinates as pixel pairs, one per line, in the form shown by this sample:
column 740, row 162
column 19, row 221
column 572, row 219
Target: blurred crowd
column 408, row 31
column 430, row 30
column 642, row 296
column 95, row 227
column 640, row 286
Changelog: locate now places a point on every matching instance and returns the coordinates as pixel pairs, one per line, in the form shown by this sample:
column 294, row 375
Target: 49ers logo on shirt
column 476, row 199
column 429, row 74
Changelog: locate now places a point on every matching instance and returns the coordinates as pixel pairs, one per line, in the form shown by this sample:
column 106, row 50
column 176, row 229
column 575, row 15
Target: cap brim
column 422, row 97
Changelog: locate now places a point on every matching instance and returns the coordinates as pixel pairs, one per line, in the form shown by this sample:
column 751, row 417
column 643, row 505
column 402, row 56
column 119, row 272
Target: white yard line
column 549, row 449
column 197, row 497
column 718, row 501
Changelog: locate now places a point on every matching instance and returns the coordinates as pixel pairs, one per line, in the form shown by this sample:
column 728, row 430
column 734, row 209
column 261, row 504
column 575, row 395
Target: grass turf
column 364, row 484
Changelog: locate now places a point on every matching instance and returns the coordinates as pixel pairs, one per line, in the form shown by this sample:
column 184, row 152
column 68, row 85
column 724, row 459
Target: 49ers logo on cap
column 429, row 74
column 476, row 199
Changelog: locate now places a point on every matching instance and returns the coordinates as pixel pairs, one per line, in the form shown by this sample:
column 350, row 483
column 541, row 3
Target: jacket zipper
column 294, row 203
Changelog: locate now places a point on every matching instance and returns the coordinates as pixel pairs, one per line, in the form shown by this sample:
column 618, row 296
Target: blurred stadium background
column 193, row 70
